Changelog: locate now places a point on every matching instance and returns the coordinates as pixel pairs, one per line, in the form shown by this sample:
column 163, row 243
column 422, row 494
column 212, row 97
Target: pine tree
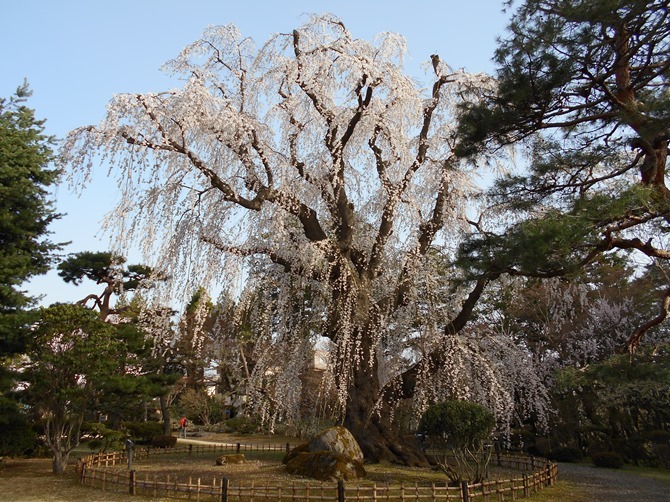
column 583, row 86
column 25, row 211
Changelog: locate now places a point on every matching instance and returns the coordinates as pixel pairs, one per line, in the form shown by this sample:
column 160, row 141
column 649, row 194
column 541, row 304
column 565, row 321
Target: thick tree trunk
column 165, row 413
column 370, row 423
column 59, row 461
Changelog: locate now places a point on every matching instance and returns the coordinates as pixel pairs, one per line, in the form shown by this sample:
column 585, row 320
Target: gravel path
column 614, row 485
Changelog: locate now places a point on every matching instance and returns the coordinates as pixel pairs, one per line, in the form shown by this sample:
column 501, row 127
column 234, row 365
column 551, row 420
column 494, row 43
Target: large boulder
column 337, row 439
column 325, row 466
column 294, row 452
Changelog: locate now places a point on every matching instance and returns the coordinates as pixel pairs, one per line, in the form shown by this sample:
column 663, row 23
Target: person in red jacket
column 183, row 423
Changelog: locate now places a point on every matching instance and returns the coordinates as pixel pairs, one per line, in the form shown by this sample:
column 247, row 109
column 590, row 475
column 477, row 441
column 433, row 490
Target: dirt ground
column 31, row 480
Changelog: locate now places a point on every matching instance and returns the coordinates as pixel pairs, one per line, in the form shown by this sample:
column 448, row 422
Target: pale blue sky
column 76, row 54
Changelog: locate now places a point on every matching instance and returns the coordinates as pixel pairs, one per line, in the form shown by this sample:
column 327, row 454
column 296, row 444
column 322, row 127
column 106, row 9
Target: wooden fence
column 94, row 471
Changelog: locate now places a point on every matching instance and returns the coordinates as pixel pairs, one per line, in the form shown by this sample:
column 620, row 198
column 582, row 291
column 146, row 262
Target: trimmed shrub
column 608, row 459
column 143, row 432
column 102, row 437
column 458, row 430
column 164, row 441
column 659, row 437
column 541, row 447
column 635, row 450
column 565, row 454
column 17, row 437
column 241, row 425
column 461, row 423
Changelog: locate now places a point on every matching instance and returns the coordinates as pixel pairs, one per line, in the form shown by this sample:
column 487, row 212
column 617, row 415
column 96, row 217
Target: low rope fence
column 94, row 470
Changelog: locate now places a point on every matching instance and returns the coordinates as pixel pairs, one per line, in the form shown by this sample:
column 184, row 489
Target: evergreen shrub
column 143, row 432
column 608, row 459
column 164, row 441
column 565, row 454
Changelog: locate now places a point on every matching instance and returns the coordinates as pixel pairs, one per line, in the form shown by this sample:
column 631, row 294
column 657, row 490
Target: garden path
column 614, row 485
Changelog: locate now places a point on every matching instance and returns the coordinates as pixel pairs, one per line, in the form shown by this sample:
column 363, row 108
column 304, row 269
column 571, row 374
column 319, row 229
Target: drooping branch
column 404, row 385
column 307, row 216
column 289, row 265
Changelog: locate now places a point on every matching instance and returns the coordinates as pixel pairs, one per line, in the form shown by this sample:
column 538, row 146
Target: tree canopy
column 108, row 269
column 317, row 156
column 25, row 209
column 71, row 358
column 347, row 196
column 583, row 90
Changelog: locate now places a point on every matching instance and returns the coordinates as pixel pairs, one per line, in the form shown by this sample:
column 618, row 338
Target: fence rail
column 93, row 470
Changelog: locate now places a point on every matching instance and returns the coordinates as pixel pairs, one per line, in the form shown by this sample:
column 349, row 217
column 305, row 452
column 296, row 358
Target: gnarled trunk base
column 377, row 435
column 383, row 443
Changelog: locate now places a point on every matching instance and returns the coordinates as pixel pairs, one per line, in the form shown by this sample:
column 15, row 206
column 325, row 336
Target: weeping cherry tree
column 318, row 154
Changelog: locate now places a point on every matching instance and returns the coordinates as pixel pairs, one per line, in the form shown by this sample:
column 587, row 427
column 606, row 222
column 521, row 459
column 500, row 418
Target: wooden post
column 526, row 491
column 131, row 483
column 190, row 449
column 340, row 490
column 238, row 448
column 224, row 490
column 288, row 447
column 465, row 491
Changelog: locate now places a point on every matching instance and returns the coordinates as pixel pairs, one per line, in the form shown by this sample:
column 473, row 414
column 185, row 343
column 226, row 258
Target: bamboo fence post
column 224, row 490
column 340, row 491
column 465, row 491
column 131, row 482
column 526, row 491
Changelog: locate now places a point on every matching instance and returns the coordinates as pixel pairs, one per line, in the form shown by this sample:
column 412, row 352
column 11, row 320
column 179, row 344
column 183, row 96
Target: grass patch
column 649, row 472
column 265, row 467
column 562, row 491
column 31, row 480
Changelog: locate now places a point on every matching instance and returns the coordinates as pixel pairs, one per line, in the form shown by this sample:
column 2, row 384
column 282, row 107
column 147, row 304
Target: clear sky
column 76, row 54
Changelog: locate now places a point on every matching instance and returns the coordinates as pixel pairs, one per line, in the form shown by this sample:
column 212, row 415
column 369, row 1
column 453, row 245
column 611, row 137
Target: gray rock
column 325, row 466
column 230, row 459
column 337, row 439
